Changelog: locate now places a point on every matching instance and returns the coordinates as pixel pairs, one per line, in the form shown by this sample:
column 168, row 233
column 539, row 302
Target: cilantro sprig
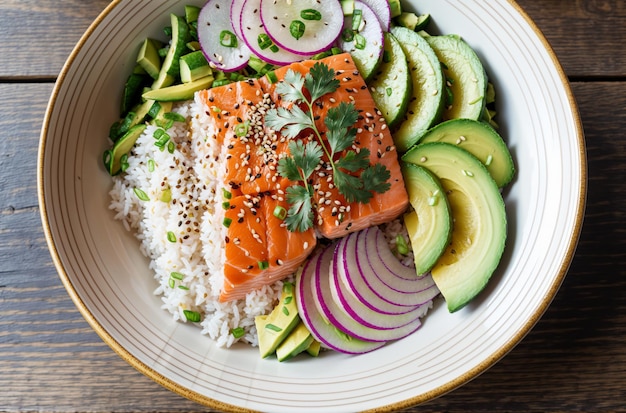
column 353, row 176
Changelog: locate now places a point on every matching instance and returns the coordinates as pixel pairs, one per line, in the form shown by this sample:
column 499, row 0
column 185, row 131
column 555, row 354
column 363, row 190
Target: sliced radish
column 336, row 315
column 368, row 315
column 216, row 35
column 302, row 26
column 382, row 10
column 362, row 37
column 320, row 328
column 379, row 286
column 235, row 16
column 257, row 39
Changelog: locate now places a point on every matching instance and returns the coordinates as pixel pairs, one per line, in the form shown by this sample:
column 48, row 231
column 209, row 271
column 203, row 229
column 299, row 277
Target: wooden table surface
column 573, row 360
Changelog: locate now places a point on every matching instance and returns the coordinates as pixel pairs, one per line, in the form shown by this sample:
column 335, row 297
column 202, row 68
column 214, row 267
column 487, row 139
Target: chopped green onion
column 177, row 276
column 165, row 124
column 192, row 316
column 288, row 299
column 176, row 117
column 263, row 265
column 359, row 41
column 241, row 129
column 271, row 76
column 158, row 134
column 171, row 283
column 288, row 288
column 162, row 141
column 166, row 195
column 401, row 246
column 183, row 287
column 124, row 162
column 216, row 109
column 227, row 221
column 141, row 194
column 336, row 50
column 151, row 165
column 171, row 147
column 296, row 28
column 311, row 14
column 226, row 193
column 220, row 82
column 347, row 35
column 171, row 237
column 238, row 332
column 357, row 18
column 274, row 48
column 285, row 310
column 107, row 158
column 280, row 212
column 389, row 91
column 225, row 205
column 272, row 327
column 264, row 41
column 228, row 38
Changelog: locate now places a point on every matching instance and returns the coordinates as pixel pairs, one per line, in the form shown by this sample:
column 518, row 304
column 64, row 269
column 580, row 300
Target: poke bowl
column 168, row 307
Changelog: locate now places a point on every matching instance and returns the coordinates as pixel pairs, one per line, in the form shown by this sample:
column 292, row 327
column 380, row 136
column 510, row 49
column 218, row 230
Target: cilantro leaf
column 306, row 156
column 287, row 168
column 290, row 122
column 351, row 187
column 291, row 87
column 300, row 213
column 353, row 161
column 375, row 178
column 320, row 80
column 339, row 120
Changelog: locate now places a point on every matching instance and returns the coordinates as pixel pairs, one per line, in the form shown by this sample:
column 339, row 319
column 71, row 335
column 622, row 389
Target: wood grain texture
column 573, row 360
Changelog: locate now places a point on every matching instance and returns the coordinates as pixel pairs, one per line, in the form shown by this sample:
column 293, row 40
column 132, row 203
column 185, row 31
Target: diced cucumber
column 413, row 21
column 170, row 69
column 191, row 13
column 183, row 91
column 148, row 57
column 132, row 92
column 395, row 7
column 112, row 157
column 194, row 66
column 427, row 97
column 391, row 84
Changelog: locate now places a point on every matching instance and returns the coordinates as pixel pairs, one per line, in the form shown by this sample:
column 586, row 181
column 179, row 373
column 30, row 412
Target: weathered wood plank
column 587, row 35
column 574, row 359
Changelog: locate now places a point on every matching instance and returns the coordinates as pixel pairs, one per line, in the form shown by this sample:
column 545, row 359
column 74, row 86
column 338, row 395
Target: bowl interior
column 109, row 279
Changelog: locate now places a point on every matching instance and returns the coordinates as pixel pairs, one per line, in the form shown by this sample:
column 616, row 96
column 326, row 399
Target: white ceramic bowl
column 107, row 277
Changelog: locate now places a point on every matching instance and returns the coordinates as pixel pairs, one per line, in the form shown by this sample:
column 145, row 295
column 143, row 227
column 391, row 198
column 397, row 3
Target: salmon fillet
column 259, row 249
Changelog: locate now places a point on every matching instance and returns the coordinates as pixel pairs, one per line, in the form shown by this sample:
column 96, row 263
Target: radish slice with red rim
column 257, row 39
column 324, row 332
column 217, row 37
column 382, row 11
column 362, row 37
column 235, row 16
column 303, row 27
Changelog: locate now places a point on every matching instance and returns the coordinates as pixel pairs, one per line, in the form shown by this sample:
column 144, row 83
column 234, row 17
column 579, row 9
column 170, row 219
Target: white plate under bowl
column 105, row 274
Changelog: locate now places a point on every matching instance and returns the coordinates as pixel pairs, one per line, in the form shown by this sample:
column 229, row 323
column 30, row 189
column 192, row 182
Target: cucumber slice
column 479, row 139
column 194, row 66
column 429, row 224
column 427, row 98
column 391, row 84
column 148, row 57
column 465, row 75
column 170, row 68
column 112, row 157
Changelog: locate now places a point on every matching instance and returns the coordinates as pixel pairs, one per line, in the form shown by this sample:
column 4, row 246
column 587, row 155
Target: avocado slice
column 296, row 342
column 480, row 224
column 465, row 76
column 482, row 141
column 429, row 224
column 427, row 96
column 148, row 57
column 275, row 327
column 391, row 83
column 182, row 91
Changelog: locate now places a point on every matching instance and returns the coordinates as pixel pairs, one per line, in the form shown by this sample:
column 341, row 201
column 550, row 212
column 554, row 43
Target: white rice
column 197, row 255
column 194, row 215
